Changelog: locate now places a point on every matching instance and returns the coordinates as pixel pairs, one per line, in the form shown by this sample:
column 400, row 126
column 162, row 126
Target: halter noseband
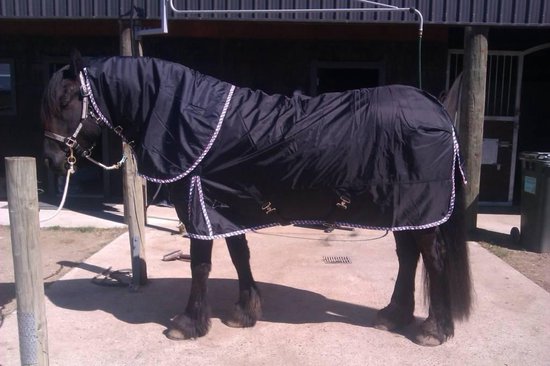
column 71, row 142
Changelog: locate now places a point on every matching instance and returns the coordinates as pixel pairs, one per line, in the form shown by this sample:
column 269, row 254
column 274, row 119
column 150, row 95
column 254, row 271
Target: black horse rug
column 380, row 158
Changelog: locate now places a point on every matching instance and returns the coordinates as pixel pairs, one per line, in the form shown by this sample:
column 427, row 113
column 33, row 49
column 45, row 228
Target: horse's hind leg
column 248, row 308
column 195, row 321
column 439, row 325
column 401, row 308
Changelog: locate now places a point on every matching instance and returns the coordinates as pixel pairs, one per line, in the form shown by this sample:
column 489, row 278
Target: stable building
column 308, row 51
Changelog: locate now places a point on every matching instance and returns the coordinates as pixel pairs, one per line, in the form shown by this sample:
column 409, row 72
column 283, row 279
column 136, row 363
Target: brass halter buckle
column 70, row 142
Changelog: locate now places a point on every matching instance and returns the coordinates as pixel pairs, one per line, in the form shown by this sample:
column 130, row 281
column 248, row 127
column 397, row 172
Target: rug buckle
column 266, row 207
column 344, row 202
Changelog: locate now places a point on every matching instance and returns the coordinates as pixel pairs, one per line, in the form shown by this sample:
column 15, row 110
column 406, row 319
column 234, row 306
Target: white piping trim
column 233, row 233
column 318, row 222
column 206, row 149
column 197, row 181
column 456, row 158
column 190, row 200
column 96, row 109
column 103, row 119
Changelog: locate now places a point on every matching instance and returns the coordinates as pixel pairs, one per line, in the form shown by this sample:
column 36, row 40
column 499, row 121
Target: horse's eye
column 64, row 101
column 69, row 91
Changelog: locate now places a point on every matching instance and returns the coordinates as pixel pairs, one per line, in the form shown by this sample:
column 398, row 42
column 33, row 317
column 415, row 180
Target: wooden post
column 472, row 113
column 134, row 207
column 22, row 193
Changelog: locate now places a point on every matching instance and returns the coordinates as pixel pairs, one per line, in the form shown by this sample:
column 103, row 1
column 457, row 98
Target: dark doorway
column 335, row 77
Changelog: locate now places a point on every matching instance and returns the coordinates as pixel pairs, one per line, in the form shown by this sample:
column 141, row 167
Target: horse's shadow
column 163, row 298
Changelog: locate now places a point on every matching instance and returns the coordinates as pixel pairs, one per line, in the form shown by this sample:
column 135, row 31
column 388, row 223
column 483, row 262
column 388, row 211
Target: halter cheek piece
column 71, row 142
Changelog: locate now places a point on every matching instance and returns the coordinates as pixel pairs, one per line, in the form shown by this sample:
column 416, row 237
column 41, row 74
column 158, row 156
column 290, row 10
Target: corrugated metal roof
column 451, row 12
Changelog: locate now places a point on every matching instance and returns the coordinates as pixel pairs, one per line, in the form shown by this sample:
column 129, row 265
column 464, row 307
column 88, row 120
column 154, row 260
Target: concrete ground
column 314, row 313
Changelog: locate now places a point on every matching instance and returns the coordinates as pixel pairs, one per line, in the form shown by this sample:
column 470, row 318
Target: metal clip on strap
column 110, row 167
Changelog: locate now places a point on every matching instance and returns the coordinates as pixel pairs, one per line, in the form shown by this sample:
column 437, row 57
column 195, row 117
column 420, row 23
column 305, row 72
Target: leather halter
column 71, row 142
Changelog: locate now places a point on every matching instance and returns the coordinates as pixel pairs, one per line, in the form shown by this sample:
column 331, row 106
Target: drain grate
column 336, row 260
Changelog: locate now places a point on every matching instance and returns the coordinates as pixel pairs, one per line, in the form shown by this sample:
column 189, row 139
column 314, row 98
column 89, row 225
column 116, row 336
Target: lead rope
column 71, row 160
column 110, row 167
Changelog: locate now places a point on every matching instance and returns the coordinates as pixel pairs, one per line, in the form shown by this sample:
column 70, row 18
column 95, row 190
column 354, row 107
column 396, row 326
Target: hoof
column 183, row 327
column 238, row 324
column 427, row 340
column 241, row 318
column 429, row 334
column 247, row 311
column 391, row 318
column 384, row 324
column 175, row 334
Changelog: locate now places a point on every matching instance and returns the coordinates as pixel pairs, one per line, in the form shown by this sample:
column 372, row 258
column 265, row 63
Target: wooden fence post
column 22, row 194
column 134, row 206
column 472, row 115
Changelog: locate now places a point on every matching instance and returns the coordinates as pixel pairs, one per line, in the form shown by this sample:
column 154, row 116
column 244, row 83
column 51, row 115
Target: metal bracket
column 163, row 24
column 379, row 7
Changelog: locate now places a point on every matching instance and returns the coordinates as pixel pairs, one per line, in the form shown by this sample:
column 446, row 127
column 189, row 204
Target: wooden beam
column 133, row 190
column 22, row 195
column 472, row 113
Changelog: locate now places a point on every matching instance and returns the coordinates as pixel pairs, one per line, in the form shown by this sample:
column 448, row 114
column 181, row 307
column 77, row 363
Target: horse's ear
column 76, row 64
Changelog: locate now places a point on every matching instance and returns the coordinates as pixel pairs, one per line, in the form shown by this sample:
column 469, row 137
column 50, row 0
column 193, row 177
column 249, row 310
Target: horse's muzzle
column 55, row 158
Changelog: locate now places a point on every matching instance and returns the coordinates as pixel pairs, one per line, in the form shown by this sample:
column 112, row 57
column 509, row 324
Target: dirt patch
column 535, row 266
column 59, row 245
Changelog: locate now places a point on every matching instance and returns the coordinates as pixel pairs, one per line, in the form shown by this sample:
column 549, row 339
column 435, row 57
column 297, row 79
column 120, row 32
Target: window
column 7, row 90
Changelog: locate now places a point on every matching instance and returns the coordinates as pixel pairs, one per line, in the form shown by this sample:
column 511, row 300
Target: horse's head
column 68, row 126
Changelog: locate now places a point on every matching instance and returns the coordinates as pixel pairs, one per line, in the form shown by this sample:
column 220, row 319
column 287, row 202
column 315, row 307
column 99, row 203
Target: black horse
column 238, row 159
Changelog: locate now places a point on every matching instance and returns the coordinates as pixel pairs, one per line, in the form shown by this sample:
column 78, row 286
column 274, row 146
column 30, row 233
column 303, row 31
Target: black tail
column 457, row 264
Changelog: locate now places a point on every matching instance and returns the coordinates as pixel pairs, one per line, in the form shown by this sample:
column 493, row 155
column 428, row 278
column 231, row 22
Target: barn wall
column 269, row 61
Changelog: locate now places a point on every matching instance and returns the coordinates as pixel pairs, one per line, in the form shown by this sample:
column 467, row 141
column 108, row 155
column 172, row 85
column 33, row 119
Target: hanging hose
column 420, row 61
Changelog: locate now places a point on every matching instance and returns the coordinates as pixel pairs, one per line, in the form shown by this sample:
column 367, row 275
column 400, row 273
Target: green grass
column 83, row 229
column 495, row 249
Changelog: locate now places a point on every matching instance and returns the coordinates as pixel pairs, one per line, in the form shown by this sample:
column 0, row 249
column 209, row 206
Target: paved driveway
column 314, row 313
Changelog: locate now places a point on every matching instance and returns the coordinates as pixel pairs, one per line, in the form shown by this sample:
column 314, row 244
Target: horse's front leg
column 400, row 311
column 248, row 308
column 195, row 321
